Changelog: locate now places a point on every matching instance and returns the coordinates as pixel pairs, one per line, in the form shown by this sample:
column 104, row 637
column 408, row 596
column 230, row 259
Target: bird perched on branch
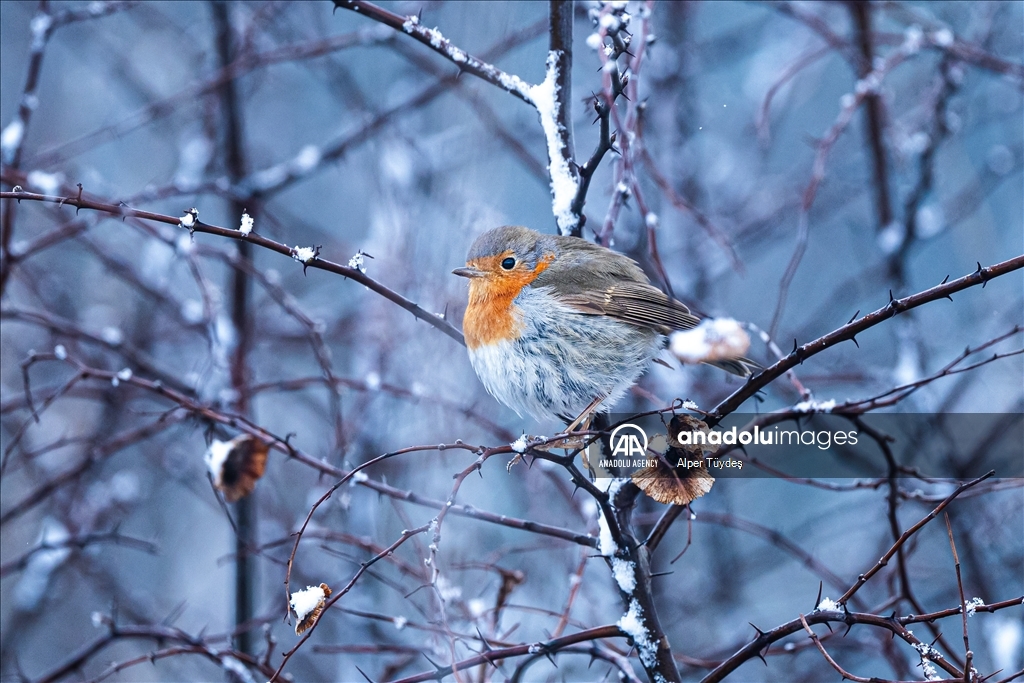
column 558, row 326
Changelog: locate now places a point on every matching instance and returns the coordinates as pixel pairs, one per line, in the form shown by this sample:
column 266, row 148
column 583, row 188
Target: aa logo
column 628, row 441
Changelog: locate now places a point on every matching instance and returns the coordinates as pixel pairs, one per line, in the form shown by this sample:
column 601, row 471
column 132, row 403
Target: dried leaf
column 237, row 465
column 674, row 486
column 685, row 423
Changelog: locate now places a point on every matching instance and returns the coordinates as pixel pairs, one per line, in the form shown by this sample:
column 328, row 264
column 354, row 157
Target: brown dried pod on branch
column 236, row 465
column 685, row 480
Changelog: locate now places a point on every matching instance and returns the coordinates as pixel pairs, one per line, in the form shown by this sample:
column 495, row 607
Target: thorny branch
column 314, row 262
column 854, row 327
column 622, row 54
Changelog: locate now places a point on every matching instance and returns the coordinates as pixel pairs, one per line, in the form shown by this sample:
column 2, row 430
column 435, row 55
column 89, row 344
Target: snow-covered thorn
column 356, row 262
column 973, row 604
column 187, row 221
column 827, row 605
column 306, row 255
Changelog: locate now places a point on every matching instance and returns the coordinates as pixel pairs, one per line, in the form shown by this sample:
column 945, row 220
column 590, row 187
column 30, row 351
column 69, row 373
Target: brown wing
column 635, row 303
column 647, row 306
column 596, row 281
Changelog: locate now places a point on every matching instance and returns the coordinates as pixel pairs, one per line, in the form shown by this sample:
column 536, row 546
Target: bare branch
column 855, row 327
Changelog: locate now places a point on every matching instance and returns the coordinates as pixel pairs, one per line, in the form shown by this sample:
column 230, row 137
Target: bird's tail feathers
column 743, row 367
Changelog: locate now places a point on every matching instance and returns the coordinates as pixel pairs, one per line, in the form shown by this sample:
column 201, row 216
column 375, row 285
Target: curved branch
column 854, row 327
column 433, row 39
column 766, row 638
column 491, row 656
column 355, row 274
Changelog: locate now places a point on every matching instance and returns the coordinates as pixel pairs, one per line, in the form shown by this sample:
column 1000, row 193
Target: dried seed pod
column 674, row 483
column 237, row 465
column 308, row 605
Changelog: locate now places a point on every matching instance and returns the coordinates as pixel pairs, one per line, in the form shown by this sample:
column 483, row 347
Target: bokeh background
column 128, row 107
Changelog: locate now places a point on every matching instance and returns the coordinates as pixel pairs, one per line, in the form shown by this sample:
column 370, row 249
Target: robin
column 557, row 326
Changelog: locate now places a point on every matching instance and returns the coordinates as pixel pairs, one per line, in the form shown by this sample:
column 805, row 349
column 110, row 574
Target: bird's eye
column 509, row 263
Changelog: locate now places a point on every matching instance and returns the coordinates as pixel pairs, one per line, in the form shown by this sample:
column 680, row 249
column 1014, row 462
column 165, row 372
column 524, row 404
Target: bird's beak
column 468, row 271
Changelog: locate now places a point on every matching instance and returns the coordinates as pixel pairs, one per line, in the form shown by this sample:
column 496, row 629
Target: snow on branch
column 546, row 97
column 434, row 39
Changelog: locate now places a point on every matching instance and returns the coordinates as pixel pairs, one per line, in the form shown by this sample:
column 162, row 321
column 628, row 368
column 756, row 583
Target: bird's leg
column 585, row 417
column 583, row 421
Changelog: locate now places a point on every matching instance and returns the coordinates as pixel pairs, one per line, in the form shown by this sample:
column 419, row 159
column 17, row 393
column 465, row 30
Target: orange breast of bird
column 490, row 316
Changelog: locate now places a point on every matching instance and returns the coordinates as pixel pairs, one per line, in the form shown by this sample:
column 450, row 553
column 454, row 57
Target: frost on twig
column 246, row 225
column 973, row 604
column 815, row 406
column 122, row 375
column 828, row 605
column 305, row 255
column 357, row 262
column 189, row 219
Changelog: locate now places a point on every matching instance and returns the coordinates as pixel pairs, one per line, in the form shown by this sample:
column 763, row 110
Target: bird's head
column 504, row 260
